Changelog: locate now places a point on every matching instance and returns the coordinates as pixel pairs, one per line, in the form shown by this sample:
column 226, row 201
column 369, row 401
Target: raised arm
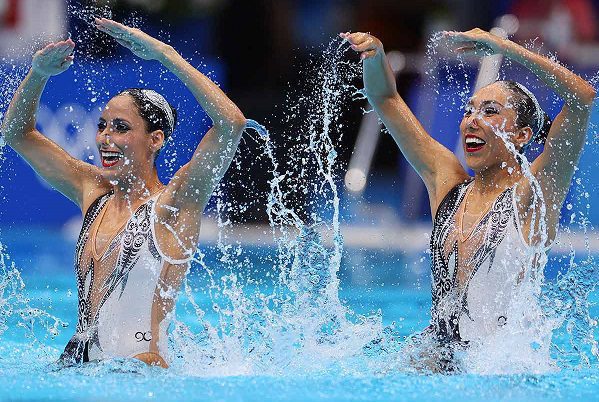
column 555, row 166
column 438, row 167
column 181, row 205
column 72, row 177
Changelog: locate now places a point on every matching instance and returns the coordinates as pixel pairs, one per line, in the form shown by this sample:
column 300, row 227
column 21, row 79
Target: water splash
column 547, row 308
column 17, row 315
column 295, row 315
column 257, row 127
column 16, row 312
column 575, row 287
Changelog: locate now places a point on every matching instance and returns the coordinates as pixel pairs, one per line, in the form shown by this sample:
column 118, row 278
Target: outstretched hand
column 367, row 45
column 476, row 42
column 140, row 43
column 54, row 59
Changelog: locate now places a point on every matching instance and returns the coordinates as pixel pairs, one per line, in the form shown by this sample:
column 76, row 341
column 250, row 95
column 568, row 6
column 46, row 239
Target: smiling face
column 489, row 116
column 126, row 147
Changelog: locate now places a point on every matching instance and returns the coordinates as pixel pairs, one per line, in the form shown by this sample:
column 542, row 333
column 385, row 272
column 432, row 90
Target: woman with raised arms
column 491, row 231
column 138, row 234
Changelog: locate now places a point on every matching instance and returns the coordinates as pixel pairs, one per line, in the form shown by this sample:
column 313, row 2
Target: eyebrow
column 485, row 102
column 116, row 119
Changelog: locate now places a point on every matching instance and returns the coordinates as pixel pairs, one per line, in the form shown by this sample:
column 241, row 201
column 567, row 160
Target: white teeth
column 106, row 154
column 474, row 141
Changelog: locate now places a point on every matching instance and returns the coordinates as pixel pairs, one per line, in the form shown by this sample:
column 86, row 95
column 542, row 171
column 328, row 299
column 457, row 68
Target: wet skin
column 489, row 115
column 122, row 130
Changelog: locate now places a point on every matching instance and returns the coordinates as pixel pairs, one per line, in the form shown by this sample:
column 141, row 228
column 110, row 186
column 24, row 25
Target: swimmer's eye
column 490, row 110
column 468, row 110
column 101, row 125
column 121, row 127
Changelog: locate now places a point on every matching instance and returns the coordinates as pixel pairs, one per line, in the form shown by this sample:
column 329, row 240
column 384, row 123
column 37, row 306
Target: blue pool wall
column 87, row 86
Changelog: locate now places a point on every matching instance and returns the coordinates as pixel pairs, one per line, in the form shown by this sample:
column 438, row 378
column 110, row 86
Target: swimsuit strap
column 90, row 216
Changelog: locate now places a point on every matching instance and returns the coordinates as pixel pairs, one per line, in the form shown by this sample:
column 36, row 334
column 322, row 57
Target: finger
column 348, row 36
column 124, row 43
column 357, row 38
column 113, row 25
column 345, row 35
column 56, row 53
column 62, row 47
column 49, row 47
column 67, row 46
column 462, row 37
column 109, row 30
column 452, row 37
column 368, row 54
column 112, row 28
column 68, row 60
column 368, row 44
column 465, row 49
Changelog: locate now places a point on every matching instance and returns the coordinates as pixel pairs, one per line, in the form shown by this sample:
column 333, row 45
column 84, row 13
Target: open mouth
column 110, row 158
column 473, row 143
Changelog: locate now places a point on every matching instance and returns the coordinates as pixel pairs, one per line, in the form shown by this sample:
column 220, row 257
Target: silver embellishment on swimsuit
column 449, row 302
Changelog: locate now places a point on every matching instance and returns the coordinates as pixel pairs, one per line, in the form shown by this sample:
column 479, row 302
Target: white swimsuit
column 497, row 262
column 115, row 311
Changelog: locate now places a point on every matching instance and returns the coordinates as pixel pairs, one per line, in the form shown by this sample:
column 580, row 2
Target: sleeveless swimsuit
column 476, row 279
column 116, row 308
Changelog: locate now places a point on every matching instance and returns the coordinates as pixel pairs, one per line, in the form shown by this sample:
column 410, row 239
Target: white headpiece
column 539, row 114
column 158, row 100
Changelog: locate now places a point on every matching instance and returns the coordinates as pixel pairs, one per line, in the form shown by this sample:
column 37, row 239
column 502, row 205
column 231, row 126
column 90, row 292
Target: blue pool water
column 28, row 371
column 271, row 323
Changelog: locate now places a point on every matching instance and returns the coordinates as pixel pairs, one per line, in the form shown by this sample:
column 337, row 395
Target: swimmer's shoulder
column 445, row 188
column 93, row 191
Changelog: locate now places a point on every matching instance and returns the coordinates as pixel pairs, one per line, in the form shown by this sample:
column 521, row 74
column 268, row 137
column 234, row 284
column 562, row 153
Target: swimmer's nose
column 104, row 137
column 472, row 121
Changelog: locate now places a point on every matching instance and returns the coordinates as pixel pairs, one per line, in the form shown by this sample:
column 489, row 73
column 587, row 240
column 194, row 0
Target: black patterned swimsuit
column 496, row 262
column 114, row 320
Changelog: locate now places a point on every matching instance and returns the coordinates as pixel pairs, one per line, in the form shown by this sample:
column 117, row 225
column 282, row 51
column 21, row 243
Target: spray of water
column 297, row 322
column 546, row 309
column 283, row 325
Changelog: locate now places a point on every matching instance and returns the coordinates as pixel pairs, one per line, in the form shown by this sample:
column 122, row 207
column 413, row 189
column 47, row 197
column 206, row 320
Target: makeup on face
column 116, row 125
column 486, row 109
column 109, row 154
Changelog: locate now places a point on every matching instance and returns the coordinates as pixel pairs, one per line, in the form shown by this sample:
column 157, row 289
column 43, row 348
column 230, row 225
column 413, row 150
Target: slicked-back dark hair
column 526, row 113
column 154, row 117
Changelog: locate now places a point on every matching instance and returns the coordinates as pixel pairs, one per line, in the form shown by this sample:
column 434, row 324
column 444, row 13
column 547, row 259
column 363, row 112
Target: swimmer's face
column 124, row 144
column 489, row 121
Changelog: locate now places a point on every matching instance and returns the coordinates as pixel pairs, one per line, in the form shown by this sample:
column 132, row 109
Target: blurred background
column 260, row 52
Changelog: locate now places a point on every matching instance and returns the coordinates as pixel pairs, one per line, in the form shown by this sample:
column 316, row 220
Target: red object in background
column 582, row 13
column 10, row 17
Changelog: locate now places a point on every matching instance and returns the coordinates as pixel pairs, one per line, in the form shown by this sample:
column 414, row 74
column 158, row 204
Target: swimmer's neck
column 496, row 179
column 130, row 193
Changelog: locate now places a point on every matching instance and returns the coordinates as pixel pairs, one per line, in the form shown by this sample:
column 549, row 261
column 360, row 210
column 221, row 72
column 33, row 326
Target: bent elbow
column 588, row 94
column 238, row 122
column 592, row 94
column 231, row 125
column 11, row 134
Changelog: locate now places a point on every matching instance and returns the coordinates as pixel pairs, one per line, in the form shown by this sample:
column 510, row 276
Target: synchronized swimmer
column 491, row 231
column 138, row 235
